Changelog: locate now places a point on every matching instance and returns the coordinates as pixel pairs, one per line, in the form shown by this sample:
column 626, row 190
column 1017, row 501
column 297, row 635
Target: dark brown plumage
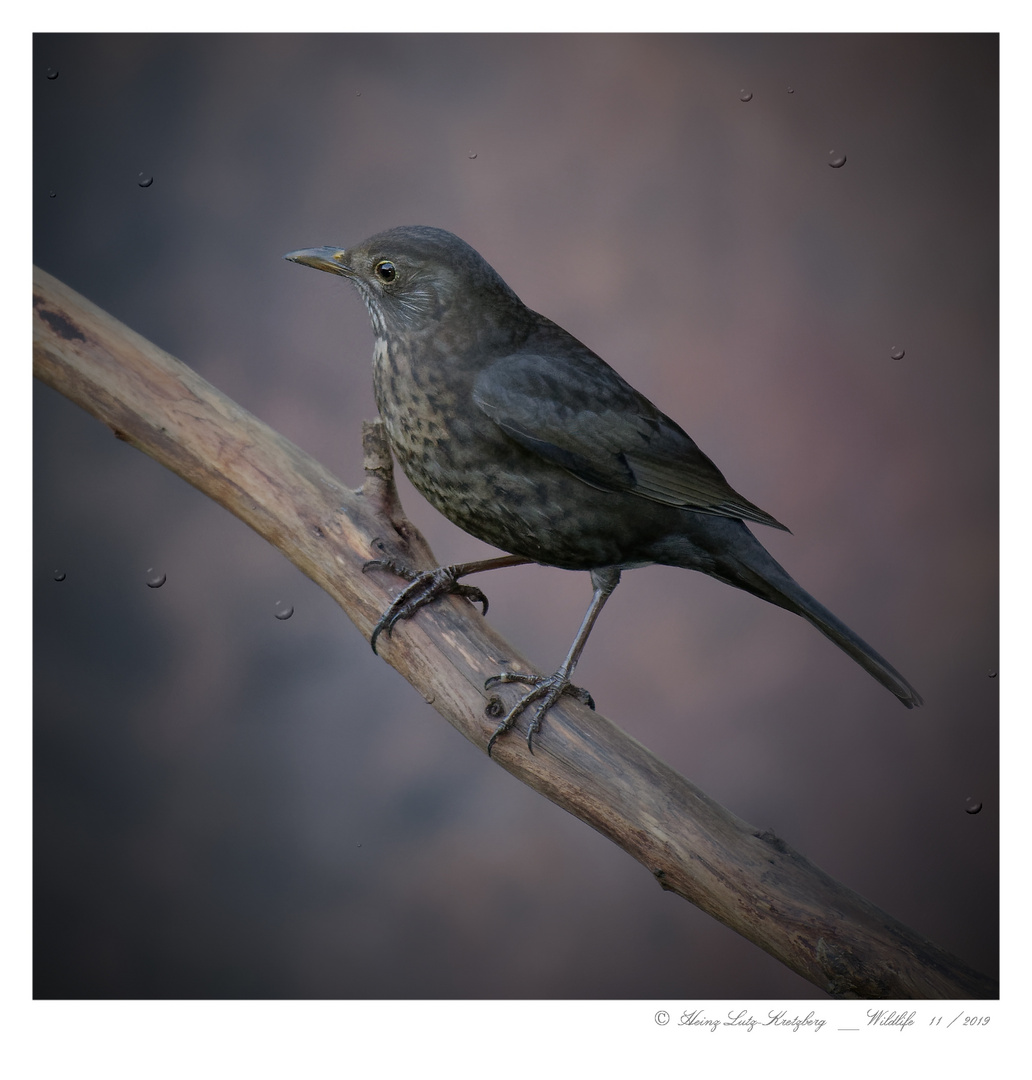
column 525, row 438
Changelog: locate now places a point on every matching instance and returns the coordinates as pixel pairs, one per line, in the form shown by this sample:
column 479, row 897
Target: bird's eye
column 386, row 270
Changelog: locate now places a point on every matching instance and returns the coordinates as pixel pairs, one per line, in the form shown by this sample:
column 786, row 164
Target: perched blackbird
column 525, row 438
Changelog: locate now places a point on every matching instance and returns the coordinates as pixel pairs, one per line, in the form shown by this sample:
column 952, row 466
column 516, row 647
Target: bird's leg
column 548, row 689
column 430, row 584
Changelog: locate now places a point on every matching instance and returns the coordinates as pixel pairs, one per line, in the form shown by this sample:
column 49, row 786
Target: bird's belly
column 502, row 494
column 465, row 466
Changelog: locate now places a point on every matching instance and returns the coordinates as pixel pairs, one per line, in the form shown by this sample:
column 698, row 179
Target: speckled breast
column 468, row 469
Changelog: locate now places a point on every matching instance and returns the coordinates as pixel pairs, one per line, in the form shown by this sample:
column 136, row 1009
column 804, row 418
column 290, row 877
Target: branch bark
column 750, row 880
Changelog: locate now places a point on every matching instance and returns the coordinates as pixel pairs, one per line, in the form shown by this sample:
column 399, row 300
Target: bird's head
column 414, row 277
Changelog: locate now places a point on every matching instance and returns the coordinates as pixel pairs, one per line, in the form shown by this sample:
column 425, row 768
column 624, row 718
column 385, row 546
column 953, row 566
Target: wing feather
column 577, row 412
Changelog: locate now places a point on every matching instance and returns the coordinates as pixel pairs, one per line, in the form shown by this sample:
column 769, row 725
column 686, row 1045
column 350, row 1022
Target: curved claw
column 471, row 593
column 404, row 605
column 551, row 688
column 387, row 621
column 580, row 694
column 395, row 567
column 511, row 676
column 422, row 588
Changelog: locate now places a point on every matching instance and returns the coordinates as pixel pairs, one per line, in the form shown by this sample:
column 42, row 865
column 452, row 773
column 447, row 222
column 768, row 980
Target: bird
column 525, row 438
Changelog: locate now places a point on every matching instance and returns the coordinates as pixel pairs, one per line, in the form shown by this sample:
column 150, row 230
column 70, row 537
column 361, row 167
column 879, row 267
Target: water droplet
column 472, row 155
column 972, row 805
column 155, row 578
column 145, row 181
column 59, row 575
column 791, row 90
column 53, row 194
column 992, row 674
column 897, row 352
column 358, row 93
column 745, row 95
column 283, row 611
column 836, row 159
column 52, row 73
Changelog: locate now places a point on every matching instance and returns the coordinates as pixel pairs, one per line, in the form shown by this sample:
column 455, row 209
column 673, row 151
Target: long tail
column 746, row 564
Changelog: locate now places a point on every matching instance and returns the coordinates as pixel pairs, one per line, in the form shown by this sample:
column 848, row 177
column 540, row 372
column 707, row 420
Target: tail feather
column 795, row 598
column 751, row 567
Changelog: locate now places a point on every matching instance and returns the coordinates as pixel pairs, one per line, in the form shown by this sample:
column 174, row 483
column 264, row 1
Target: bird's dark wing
column 577, row 412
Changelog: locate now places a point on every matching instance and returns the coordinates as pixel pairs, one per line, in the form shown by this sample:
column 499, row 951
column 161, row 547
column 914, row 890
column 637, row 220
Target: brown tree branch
column 749, row 880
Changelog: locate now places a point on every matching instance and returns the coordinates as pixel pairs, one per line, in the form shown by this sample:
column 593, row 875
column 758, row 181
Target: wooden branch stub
column 748, row 879
column 379, row 491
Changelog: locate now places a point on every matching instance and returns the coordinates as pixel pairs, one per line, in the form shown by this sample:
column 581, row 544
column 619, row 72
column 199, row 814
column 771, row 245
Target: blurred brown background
column 227, row 805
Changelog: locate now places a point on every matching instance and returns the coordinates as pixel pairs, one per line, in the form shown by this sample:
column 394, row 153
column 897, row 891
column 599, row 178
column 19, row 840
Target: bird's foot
column 545, row 689
column 423, row 587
